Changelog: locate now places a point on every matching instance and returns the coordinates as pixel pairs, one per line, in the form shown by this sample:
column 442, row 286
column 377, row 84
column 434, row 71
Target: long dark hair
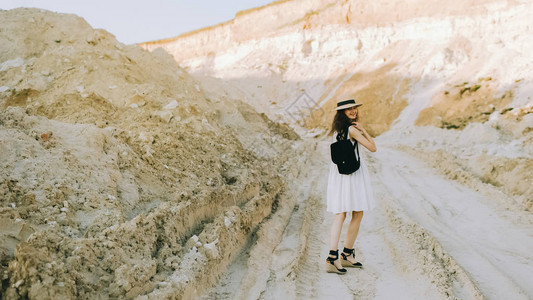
column 340, row 123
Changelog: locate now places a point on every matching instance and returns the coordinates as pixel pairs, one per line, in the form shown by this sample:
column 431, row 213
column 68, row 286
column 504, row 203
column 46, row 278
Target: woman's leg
column 335, row 234
column 353, row 230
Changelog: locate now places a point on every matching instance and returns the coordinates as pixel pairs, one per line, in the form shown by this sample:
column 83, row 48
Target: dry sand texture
column 130, row 174
column 119, row 176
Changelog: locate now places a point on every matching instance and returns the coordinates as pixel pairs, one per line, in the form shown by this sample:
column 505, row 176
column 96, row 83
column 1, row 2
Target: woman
column 348, row 193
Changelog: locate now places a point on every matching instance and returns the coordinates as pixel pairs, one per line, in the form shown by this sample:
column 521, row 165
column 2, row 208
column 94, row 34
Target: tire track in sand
column 403, row 259
column 494, row 251
column 394, row 267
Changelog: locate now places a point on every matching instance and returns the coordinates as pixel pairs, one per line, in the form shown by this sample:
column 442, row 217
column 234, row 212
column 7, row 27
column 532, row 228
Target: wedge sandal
column 330, row 263
column 344, row 258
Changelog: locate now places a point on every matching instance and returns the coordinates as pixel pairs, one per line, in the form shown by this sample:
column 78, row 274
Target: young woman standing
column 348, row 193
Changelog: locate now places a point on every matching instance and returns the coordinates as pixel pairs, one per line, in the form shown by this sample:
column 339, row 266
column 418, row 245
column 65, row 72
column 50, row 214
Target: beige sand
column 117, row 169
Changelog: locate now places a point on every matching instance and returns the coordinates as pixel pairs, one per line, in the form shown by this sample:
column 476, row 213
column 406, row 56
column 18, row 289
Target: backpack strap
column 355, row 145
column 346, row 131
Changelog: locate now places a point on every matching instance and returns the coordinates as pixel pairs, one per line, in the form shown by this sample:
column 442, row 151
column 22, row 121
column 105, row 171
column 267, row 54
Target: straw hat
column 343, row 104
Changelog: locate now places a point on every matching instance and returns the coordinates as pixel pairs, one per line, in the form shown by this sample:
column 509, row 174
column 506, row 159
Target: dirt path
column 428, row 238
column 493, row 245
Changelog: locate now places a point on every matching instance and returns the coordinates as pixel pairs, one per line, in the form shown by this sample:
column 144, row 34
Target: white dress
column 352, row 192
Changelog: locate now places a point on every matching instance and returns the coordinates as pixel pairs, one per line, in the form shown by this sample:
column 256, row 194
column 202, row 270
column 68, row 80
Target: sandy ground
column 428, row 238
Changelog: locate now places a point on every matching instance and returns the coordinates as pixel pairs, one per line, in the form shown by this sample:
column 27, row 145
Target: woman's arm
column 359, row 133
column 366, row 135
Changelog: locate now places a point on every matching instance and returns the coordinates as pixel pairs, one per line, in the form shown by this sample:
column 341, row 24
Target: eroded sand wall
column 119, row 176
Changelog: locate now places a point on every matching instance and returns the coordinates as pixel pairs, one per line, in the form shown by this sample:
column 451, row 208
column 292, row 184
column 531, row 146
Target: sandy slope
column 389, row 54
column 117, row 171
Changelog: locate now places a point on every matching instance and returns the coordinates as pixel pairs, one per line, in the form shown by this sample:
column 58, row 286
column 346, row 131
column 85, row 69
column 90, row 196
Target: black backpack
column 343, row 155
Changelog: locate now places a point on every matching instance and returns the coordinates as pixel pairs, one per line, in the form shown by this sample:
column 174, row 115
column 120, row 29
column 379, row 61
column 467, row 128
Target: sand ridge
column 116, row 168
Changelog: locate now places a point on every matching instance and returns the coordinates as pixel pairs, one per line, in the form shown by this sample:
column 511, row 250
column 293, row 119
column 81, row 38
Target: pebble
column 18, row 283
column 171, row 105
column 195, row 238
